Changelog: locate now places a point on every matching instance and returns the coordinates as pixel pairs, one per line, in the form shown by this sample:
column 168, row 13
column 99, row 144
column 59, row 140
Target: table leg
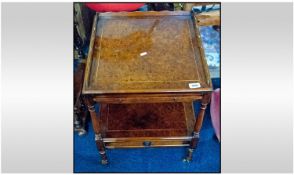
column 197, row 127
column 80, row 117
column 79, row 122
column 97, row 129
column 101, row 148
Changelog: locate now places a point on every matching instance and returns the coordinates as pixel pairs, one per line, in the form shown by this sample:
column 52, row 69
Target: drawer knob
column 147, row 143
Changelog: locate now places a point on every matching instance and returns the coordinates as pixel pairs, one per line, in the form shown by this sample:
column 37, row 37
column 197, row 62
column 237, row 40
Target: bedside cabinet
column 144, row 70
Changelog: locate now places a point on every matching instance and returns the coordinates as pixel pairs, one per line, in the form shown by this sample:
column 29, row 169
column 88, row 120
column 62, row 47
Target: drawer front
column 147, row 143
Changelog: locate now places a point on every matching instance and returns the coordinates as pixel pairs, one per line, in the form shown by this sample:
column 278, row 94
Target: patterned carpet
column 211, row 44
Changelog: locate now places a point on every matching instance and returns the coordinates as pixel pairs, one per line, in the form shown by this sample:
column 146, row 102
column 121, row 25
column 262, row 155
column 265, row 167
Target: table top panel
column 144, row 52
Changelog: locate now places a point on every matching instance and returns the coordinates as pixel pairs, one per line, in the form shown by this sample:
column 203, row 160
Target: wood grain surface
column 147, row 120
column 145, row 52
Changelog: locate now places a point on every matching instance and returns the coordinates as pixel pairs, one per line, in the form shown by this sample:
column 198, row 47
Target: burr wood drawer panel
column 147, row 98
column 147, row 142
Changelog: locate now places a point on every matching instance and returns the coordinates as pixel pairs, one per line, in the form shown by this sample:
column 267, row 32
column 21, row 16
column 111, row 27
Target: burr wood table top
column 145, row 52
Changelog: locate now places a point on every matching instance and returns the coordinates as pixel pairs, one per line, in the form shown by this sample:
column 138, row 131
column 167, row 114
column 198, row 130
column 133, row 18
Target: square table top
column 145, row 52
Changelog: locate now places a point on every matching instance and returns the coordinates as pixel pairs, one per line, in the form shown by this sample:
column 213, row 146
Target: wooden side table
column 144, row 70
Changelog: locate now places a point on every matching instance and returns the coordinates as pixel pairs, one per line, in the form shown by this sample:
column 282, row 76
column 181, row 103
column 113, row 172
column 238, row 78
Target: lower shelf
column 147, row 125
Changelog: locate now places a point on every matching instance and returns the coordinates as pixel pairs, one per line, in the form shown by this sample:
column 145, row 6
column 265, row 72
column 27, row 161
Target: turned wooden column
column 198, row 124
column 80, row 111
column 80, row 117
column 97, row 129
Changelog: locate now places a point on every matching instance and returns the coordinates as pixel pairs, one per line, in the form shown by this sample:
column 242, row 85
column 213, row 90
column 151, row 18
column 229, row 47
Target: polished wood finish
column 145, row 52
column 138, row 144
column 197, row 127
column 97, row 129
column 161, row 124
column 147, row 120
column 140, row 69
column 150, row 98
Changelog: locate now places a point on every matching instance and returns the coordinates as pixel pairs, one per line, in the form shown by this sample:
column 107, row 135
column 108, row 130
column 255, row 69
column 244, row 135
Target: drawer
column 147, row 143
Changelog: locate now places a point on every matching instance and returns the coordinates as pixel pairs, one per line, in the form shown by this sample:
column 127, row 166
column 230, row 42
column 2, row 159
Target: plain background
column 37, row 87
